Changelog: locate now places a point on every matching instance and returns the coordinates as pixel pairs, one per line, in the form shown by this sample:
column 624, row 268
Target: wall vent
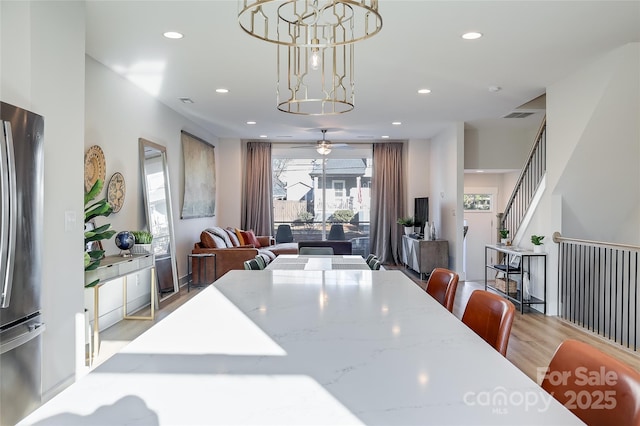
column 518, row 115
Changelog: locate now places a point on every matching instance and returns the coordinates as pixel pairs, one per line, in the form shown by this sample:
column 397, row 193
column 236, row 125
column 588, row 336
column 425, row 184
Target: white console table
column 424, row 255
column 111, row 268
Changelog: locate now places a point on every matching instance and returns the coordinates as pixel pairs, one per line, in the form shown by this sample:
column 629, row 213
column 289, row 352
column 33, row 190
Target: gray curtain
column 257, row 209
column 387, row 202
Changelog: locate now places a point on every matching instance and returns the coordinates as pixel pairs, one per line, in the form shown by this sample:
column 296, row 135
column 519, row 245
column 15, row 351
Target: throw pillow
column 208, row 240
column 222, row 234
column 266, row 253
column 240, row 237
column 250, row 238
column 233, row 237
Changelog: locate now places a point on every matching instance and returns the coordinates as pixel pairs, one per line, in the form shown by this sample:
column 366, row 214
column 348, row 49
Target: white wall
column 417, row 155
column 596, row 129
column 118, row 113
column 490, row 148
column 593, row 140
column 42, row 69
column 447, row 183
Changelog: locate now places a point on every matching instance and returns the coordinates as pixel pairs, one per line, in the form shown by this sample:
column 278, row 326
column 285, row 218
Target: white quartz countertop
column 306, row 347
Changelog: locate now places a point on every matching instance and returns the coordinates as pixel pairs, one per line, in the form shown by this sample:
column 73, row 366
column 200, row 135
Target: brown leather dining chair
column 596, row 387
column 491, row 317
column 442, row 286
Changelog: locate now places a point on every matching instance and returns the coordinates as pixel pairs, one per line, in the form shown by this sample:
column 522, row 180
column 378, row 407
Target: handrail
column 527, row 184
column 558, row 238
column 529, row 157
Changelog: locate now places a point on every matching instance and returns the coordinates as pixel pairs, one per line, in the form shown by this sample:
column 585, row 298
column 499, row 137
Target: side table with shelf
column 200, row 260
column 527, row 258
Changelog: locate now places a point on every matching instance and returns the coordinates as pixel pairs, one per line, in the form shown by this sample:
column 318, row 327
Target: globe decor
column 125, row 242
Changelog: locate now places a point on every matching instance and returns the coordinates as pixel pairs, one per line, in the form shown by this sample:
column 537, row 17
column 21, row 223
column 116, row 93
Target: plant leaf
column 94, row 191
column 92, row 284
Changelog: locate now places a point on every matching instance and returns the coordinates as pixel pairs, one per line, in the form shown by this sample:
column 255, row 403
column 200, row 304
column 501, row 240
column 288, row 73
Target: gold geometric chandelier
column 315, row 48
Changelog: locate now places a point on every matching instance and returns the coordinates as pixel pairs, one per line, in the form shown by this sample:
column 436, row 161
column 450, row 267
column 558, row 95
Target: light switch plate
column 69, row 220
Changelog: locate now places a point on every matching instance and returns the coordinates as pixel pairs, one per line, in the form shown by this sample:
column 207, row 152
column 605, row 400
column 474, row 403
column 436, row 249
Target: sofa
column 232, row 247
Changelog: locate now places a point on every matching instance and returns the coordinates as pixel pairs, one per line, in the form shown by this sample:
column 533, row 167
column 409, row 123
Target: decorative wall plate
column 116, row 191
column 94, row 166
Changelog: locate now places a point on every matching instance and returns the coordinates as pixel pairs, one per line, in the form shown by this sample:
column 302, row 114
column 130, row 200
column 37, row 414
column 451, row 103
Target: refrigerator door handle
column 8, row 214
column 34, row 331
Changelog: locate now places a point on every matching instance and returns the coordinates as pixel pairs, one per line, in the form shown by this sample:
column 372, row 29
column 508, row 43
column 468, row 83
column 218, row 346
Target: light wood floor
column 534, row 337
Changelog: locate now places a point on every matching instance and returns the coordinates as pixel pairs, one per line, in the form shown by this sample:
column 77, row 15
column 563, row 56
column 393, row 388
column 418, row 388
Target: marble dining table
column 295, row 347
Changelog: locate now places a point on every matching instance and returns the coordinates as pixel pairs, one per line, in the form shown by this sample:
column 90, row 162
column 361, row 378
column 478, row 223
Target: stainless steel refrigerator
column 21, row 217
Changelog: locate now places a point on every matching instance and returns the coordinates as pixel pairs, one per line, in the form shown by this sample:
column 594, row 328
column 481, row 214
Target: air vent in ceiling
column 518, row 115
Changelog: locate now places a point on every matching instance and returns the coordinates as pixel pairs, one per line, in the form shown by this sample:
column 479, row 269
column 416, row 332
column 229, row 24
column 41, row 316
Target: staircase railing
column 527, row 184
column 598, row 287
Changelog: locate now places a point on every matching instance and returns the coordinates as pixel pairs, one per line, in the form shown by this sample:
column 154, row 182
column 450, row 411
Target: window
column 478, row 202
column 312, row 192
column 338, row 189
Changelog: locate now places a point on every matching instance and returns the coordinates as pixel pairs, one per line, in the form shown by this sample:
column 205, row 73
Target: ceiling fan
column 324, row 146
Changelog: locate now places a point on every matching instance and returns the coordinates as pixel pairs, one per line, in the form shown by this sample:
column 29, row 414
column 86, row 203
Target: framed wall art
column 199, row 177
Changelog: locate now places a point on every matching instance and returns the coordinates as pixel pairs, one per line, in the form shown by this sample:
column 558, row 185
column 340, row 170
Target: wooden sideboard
column 424, row 255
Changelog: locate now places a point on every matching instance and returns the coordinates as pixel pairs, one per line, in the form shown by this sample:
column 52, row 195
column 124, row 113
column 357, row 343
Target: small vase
column 408, row 230
column 538, row 248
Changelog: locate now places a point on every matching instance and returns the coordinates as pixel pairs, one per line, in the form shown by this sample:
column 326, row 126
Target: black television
column 421, row 212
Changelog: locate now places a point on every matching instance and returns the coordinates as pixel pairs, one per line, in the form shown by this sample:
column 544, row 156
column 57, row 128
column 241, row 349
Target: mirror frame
column 143, row 145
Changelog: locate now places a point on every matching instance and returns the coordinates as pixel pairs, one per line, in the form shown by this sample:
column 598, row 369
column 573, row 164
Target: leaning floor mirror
column 157, row 202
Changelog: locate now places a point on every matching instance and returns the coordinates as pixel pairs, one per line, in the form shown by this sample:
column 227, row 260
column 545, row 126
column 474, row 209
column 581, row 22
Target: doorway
column 480, row 217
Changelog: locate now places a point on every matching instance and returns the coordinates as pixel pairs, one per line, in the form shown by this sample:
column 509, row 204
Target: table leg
column 124, row 298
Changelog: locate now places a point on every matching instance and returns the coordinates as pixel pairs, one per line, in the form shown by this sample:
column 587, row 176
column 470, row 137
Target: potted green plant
column 143, row 242
column 504, row 236
column 92, row 236
column 408, row 223
column 536, row 240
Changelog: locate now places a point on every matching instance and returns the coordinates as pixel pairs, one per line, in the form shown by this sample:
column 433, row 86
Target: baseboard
column 46, row 396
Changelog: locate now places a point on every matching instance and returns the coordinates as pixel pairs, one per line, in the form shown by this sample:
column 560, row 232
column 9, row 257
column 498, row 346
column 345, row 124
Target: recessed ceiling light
column 424, row 91
column 222, row 90
column 479, row 171
column 251, row 122
column 173, row 34
column 471, row 35
column 186, row 100
column 494, row 89
column 397, row 123
column 263, row 136
column 385, row 137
